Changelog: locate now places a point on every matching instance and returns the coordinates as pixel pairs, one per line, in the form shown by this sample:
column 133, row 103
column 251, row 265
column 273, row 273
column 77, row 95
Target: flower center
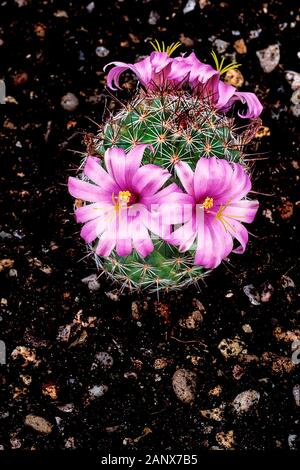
column 208, row 203
column 124, row 197
column 123, row 200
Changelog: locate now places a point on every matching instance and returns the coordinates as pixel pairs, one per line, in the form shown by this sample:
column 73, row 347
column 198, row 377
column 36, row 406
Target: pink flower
column 124, row 201
column 189, row 69
column 152, row 72
column 206, row 82
column 159, row 71
column 217, row 192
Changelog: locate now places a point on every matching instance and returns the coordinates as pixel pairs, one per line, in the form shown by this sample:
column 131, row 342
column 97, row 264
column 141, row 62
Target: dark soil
column 44, row 55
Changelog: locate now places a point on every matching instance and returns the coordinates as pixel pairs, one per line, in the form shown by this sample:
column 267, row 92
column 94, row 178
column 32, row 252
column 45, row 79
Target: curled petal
column 114, row 74
column 239, row 232
column 254, row 106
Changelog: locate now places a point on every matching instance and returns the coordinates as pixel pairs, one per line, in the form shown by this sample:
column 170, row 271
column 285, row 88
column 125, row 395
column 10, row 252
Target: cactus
column 180, row 125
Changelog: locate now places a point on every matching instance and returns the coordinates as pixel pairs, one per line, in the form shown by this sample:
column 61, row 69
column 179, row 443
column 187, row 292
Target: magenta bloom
column 206, row 82
column 152, row 72
column 124, row 201
column 217, row 192
column 159, row 71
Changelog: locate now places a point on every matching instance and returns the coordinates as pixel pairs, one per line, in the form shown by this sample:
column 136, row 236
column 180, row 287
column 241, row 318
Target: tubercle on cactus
column 181, row 129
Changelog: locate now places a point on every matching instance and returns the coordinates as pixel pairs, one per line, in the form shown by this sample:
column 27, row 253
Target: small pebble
column 38, row 423
column 240, row 46
column 231, row 347
column 184, row 385
column 189, row 6
column 221, row 45
column 247, row 328
column 98, row 390
column 252, row 294
column 160, row 363
column 296, row 393
column 102, row 51
column 90, row 7
column 293, row 78
column 216, row 414
column 292, row 439
column 92, row 282
column 69, row 102
column 13, row 273
column 186, row 41
column 234, row 77
column 269, row 57
column 245, row 400
column 225, row 439
column 255, row 33
column 104, row 359
column 153, row 17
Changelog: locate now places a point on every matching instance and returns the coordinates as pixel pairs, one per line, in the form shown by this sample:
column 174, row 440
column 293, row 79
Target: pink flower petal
column 123, row 240
column 92, row 211
column 107, row 242
column 114, row 74
column 83, row 190
column 141, row 240
column 245, row 210
column 160, row 196
column 205, row 255
column 186, row 176
column 225, row 92
column 94, row 171
column 254, row 106
column 143, row 70
column 184, row 236
column 115, row 162
column 149, row 179
column 201, row 178
column 240, row 233
column 92, row 230
column 133, row 160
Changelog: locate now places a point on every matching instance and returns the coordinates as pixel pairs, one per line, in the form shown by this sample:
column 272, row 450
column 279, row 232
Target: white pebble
column 98, row 390
column 102, row 51
column 69, row 102
column 190, row 6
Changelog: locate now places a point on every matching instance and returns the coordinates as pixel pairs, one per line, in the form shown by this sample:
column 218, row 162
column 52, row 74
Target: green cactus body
column 178, row 127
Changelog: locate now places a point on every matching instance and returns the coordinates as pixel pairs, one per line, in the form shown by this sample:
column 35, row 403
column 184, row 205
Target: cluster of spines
column 178, row 129
column 157, row 272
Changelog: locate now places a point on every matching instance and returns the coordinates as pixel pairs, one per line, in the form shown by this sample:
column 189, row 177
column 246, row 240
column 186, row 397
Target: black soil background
column 47, row 50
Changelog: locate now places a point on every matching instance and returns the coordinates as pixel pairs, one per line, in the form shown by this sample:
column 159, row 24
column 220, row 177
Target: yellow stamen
column 223, row 217
column 219, row 65
column 208, row 203
column 162, row 47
